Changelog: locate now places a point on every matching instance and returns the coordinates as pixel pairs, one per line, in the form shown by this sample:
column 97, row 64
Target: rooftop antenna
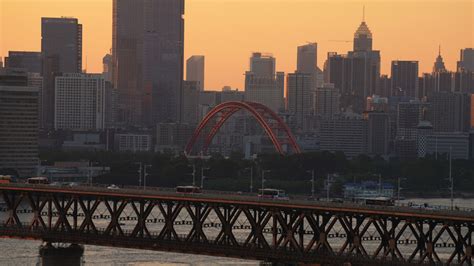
column 439, row 49
column 363, row 13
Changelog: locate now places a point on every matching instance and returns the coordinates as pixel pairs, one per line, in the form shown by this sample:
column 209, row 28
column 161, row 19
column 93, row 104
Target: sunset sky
column 227, row 31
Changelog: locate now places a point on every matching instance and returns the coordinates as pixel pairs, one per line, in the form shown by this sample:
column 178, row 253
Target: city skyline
column 227, row 56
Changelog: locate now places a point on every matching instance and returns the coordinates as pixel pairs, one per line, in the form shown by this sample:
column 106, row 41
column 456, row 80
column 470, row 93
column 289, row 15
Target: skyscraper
column 307, row 58
column 262, row 85
column 466, row 60
column 107, row 67
column 405, row 78
column 195, row 70
column 298, row 94
column 439, row 63
column 147, row 51
column 61, row 48
column 356, row 74
column 378, row 137
column 363, row 38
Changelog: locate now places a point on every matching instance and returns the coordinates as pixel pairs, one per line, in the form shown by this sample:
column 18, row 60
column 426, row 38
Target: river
column 25, row 252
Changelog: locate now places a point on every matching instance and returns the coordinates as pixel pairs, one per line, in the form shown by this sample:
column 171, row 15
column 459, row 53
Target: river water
column 25, row 252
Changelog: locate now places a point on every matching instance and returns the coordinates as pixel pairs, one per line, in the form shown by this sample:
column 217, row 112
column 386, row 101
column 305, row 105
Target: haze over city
column 236, row 132
column 228, row 31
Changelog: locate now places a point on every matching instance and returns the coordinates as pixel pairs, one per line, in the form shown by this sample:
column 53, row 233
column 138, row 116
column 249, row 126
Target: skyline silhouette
column 248, row 26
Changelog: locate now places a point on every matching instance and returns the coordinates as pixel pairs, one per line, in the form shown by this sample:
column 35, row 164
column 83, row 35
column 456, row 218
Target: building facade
column 195, row 69
column 298, row 95
column 19, row 129
column 30, row 61
column 404, row 78
column 262, row 84
column 147, row 60
column 80, row 102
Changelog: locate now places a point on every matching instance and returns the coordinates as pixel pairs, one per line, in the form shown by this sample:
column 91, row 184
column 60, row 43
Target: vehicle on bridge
column 381, row 201
column 38, row 180
column 5, row 179
column 188, row 189
column 271, row 193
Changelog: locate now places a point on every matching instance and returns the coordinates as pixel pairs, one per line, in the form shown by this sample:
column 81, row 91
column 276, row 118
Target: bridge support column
column 53, row 255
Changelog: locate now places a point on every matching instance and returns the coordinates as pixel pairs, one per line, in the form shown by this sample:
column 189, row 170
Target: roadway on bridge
column 248, row 199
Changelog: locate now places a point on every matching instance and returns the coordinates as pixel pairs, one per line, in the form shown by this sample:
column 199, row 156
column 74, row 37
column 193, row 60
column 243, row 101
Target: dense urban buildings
column 61, row 49
column 262, row 84
column 142, row 102
column 147, row 55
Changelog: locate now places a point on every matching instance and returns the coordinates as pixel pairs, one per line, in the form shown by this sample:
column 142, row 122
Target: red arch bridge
column 240, row 226
column 272, row 124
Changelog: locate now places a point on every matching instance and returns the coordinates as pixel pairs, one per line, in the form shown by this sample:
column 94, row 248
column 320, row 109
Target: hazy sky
column 227, row 31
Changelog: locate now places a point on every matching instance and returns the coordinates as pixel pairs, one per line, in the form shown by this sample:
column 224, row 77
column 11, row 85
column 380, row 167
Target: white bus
column 270, row 193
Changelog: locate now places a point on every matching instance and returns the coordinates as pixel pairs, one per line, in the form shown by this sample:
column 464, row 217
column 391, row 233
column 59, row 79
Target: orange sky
column 227, row 31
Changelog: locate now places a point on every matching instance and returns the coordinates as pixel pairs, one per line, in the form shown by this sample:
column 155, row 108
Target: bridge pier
column 59, row 255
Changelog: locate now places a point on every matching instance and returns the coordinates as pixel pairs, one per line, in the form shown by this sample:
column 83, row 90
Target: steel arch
column 264, row 116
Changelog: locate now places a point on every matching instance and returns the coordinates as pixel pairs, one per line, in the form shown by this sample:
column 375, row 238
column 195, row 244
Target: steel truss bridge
column 237, row 226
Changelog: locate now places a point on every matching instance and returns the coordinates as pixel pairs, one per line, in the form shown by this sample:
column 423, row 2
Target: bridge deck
column 251, row 200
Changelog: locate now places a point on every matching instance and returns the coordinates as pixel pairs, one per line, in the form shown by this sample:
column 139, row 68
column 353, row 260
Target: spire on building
column 363, row 36
column 363, row 13
column 439, row 63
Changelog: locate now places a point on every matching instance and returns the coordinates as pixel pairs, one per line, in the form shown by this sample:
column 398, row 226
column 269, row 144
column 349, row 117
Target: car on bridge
column 188, row 189
column 271, row 193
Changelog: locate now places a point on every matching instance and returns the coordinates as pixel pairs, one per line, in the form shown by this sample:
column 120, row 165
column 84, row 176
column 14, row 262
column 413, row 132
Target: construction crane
column 348, row 41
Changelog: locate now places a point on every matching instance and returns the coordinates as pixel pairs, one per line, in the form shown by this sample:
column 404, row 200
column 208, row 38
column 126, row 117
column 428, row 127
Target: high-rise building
column 61, row 39
column 30, row 61
column 466, row 61
column 195, row 67
column 404, row 78
column 326, row 101
column 409, row 116
column 228, row 94
column 61, row 48
column 107, row 67
column 363, row 38
column 378, row 133
column 298, row 95
column 348, row 135
column 439, row 63
column 18, row 127
column 444, row 143
column 147, row 55
column 451, row 111
column 307, row 58
column 356, row 74
column 443, row 81
column 262, row 85
column 263, row 65
column 463, row 81
column 191, row 102
column 80, row 102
